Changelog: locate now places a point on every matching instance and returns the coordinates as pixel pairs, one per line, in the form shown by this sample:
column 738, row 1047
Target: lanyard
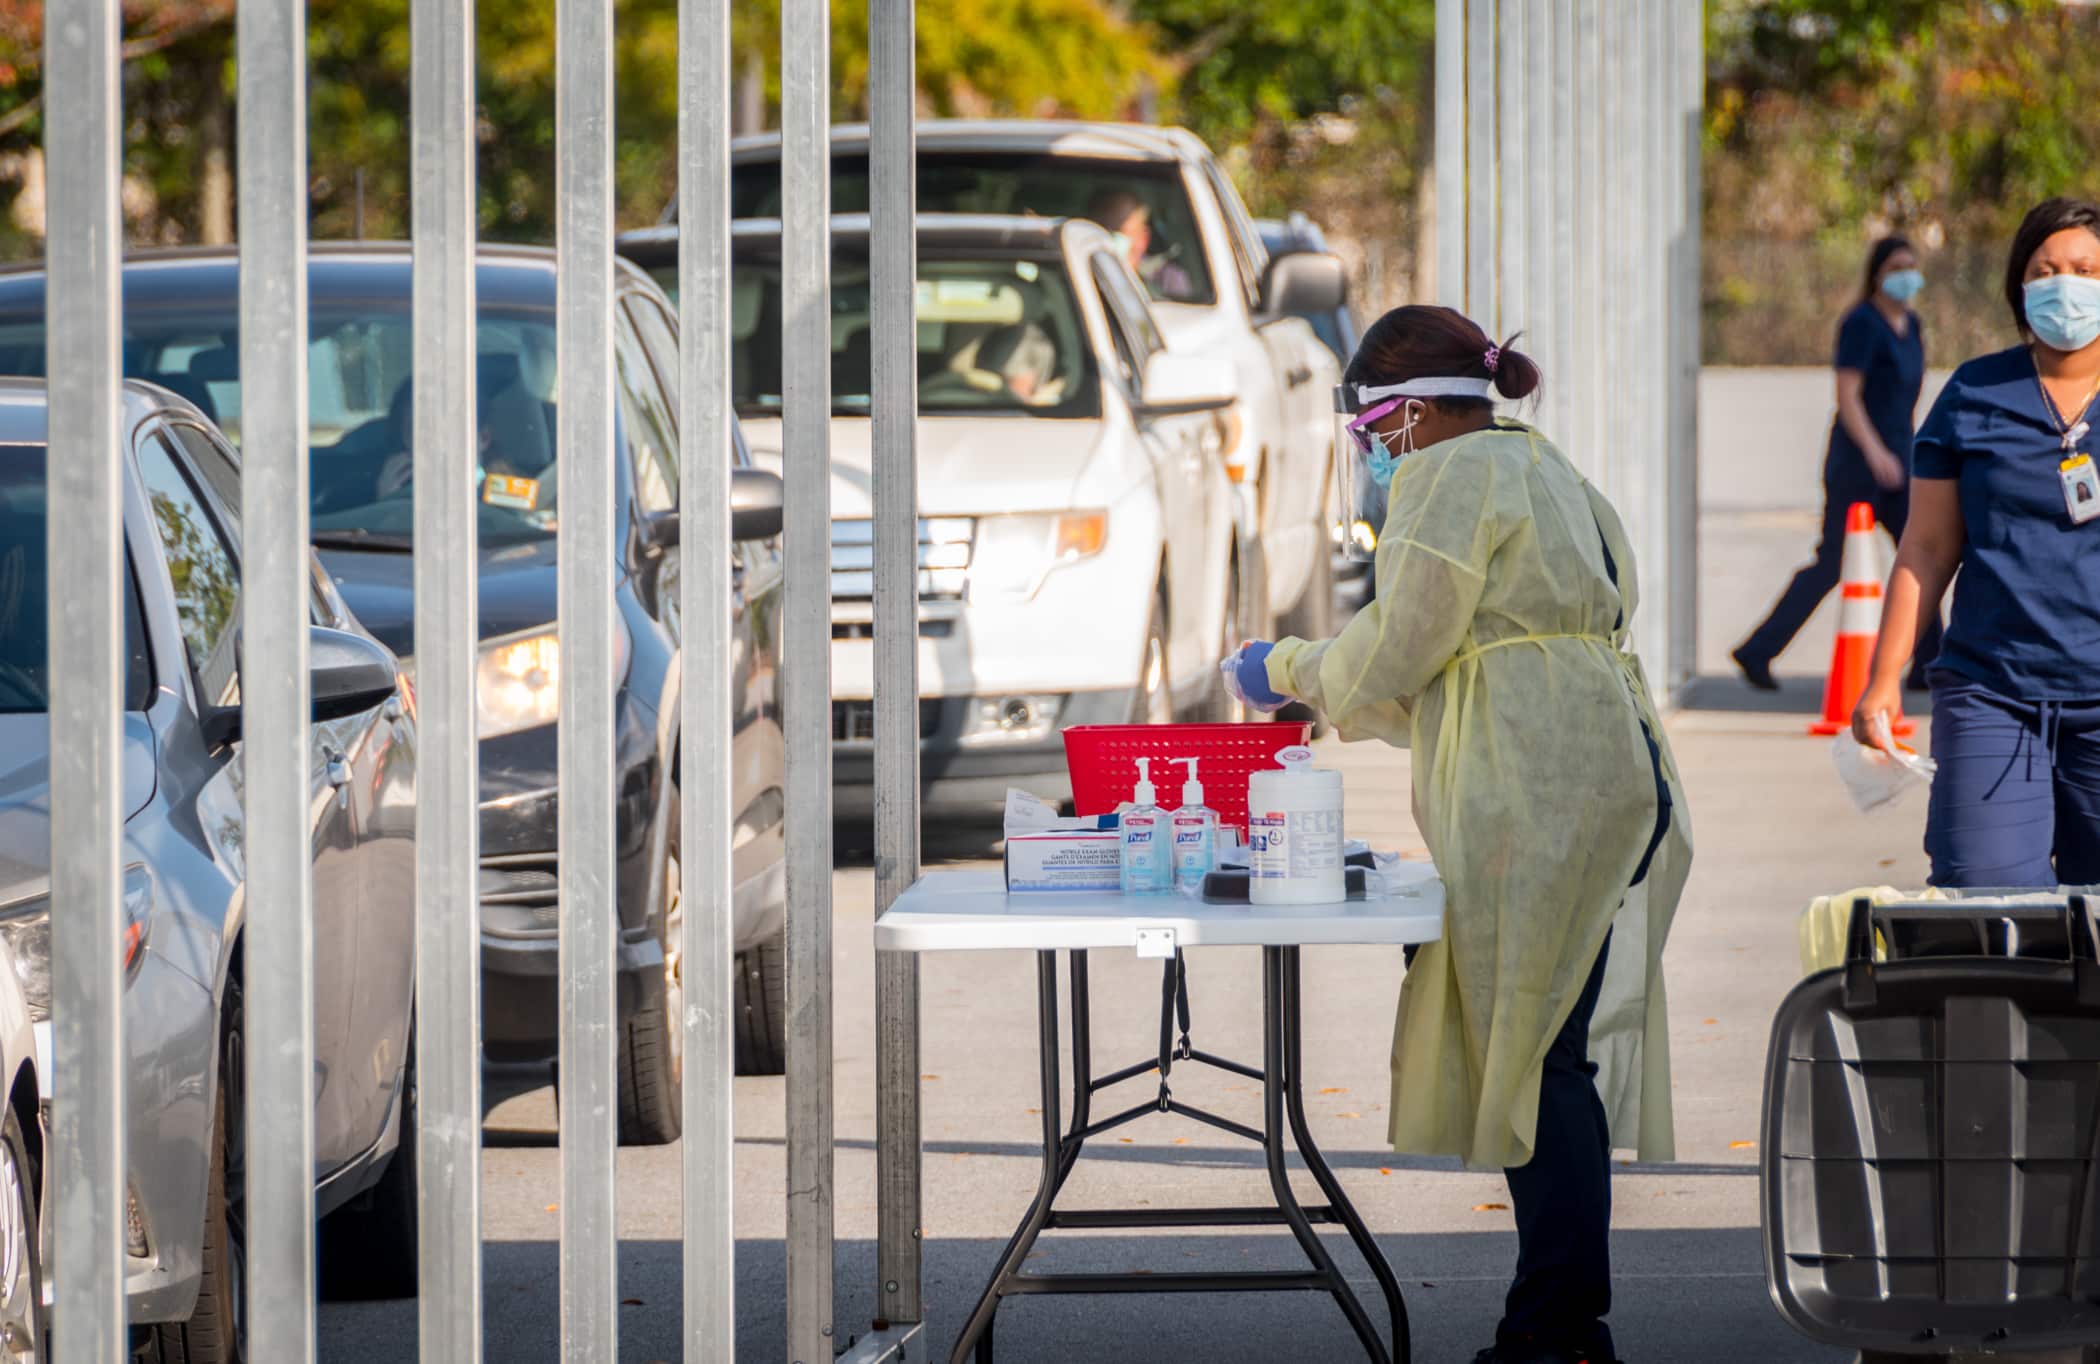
column 2069, row 432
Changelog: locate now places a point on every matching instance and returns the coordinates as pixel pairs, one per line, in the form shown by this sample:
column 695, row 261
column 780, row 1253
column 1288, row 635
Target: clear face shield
column 1365, row 459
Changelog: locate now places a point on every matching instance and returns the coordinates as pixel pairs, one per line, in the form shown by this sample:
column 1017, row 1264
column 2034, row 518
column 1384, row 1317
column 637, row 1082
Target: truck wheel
column 652, row 1042
column 367, row 1249
column 217, row 1329
column 22, row 1327
column 1153, row 701
column 761, row 1008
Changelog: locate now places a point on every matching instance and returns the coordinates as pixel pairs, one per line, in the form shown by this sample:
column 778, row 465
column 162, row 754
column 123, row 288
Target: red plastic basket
column 1103, row 760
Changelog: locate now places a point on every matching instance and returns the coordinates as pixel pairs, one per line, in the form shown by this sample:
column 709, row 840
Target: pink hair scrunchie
column 1492, row 359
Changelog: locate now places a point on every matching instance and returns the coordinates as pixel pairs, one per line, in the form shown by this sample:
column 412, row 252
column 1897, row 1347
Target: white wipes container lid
column 1296, row 782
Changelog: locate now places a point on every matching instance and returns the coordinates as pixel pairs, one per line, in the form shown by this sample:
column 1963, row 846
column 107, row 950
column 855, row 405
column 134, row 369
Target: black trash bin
column 1930, row 1134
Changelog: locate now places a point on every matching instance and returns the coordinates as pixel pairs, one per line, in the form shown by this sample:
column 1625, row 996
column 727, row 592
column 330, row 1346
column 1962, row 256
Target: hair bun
column 1516, row 374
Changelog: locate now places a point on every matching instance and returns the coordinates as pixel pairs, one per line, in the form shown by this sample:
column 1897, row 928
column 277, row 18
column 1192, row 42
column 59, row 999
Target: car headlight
column 517, row 680
column 1015, row 553
column 26, row 928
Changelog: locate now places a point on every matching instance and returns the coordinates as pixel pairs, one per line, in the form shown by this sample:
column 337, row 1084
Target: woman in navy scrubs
column 2005, row 490
column 1880, row 366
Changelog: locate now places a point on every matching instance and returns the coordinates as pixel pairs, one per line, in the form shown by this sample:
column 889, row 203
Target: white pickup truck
column 1215, row 291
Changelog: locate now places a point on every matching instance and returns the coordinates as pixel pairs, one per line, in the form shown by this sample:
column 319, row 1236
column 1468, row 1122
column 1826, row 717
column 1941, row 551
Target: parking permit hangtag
column 2081, row 488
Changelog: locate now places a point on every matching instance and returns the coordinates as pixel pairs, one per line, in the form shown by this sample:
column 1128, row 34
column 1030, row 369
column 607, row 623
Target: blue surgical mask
column 1903, row 285
column 1381, row 460
column 2063, row 311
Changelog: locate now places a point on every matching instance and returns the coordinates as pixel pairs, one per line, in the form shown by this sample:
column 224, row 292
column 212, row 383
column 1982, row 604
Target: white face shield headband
column 1365, row 405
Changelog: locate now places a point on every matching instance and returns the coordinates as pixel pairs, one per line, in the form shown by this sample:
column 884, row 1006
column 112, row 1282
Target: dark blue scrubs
column 2016, row 692
column 1892, row 370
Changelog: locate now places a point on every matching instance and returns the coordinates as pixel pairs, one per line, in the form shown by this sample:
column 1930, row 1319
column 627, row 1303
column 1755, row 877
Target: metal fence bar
column 1480, row 162
column 1654, row 270
column 83, row 132
column 708, row 809
column 1586, row 434
column 893, row 262
column 276, row 763
column 805, row 289
column 589, row 1126
column 448, row 815
column 1513, row 173
column 1686, row 113
column 1450, row 154
column 1540, row 319
column 707, row 806
column 1564, row 180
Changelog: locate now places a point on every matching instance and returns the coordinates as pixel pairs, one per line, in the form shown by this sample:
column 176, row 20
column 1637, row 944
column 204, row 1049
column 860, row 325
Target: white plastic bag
column 1877, row 777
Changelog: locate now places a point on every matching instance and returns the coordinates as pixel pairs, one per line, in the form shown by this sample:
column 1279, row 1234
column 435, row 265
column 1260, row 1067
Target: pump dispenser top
column 1146, row 793
column 1192, row 789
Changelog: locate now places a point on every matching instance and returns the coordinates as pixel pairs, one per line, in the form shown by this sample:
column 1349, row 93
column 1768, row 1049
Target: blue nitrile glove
column 1246, row 672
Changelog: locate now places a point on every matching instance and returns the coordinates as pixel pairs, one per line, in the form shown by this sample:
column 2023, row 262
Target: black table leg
column 1294, row 1095
column 977, row 1332
column 1283, row 1109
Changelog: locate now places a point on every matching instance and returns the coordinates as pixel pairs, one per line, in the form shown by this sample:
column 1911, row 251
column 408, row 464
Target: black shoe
column 1756, row 671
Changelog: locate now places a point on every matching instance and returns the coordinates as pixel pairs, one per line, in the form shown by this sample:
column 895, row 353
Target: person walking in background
column 2006, row 491
column 1880, row 367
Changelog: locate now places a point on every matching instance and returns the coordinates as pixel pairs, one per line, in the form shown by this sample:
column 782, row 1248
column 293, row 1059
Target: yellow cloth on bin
column 1496, row 649
column 1823, row 926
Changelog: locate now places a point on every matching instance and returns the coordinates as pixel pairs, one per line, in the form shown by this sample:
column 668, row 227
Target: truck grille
column 854, row 721
column 944, row 558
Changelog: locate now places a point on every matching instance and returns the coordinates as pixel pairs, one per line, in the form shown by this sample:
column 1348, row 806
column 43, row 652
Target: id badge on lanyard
column 2081, row 487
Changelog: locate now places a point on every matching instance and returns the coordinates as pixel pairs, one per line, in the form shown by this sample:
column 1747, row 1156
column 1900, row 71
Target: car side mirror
column 1303, row 282
column 756, row 504
column 349, row 673
column 1177, row 382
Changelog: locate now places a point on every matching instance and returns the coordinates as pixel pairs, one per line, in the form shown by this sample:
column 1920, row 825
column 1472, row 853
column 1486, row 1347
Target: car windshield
column 1146, row 202
column 359, row 363
column 25, row 665
column 994, row 336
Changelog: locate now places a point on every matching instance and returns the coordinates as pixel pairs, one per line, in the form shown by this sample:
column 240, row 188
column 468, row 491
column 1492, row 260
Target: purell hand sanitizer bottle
column 1195, row 828
column 1147, row 865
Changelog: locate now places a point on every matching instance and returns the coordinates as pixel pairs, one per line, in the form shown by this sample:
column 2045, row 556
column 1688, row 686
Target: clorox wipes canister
column 1294, row 833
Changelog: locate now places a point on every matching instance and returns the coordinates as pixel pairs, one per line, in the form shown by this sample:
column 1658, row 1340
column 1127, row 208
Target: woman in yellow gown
column 1533, row 1036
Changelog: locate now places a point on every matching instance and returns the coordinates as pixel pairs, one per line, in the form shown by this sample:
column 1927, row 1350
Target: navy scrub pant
column 1562, row 1200
column 1816, row 578
column 2016, row 802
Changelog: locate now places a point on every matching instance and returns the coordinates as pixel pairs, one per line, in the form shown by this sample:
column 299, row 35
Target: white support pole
column 893, row 268
column 84, row 133
column 1451, row 203
column 590, row 937
column 448, row 797
column 276, row 756
column 707, row 808
column 1588, row 435
column 1539, row 318
column 1480, row 162
column 805, row 289
column 1512, row 176
column 1564, row 183
column 1685, row 112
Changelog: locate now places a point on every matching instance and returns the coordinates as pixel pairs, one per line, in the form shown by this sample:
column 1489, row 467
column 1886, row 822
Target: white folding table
column 970, row 910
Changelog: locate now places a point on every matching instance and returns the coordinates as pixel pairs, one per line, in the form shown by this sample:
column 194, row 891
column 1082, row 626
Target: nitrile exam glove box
column 1048, row 852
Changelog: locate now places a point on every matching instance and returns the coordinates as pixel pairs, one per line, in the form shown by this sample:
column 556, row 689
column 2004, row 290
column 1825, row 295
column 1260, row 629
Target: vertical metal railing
column 83, row 133
column 1478, row 219
column 589, row 1113
column 276, row 766
column 805, row 291
column 1685, row 109
column 707, row 810
column 1450, row 86
column 1541, row 320
column 1512, row 175
column 893, row 261
column 447, row 1139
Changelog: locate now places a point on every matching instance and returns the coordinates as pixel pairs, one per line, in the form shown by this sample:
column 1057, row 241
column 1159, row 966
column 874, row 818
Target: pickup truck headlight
column 1015, row 553
column 26, row 927
column 517, row 681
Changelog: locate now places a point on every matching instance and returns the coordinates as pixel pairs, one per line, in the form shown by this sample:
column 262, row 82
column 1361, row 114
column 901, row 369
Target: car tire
column 652, row 1070
column 23, row 1332
column 1152, row 701
column 216, row 1331
column 367, row 1249
column 761, row 1008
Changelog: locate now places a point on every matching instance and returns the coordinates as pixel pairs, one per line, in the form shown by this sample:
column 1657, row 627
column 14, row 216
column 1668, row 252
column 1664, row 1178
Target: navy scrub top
column 1893, row 369
column 2026, row 620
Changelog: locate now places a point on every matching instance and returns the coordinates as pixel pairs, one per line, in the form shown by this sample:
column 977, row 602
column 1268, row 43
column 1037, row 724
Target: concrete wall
column 1762, row 433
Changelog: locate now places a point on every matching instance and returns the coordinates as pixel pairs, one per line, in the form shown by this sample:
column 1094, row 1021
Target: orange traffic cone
column 1859, row 621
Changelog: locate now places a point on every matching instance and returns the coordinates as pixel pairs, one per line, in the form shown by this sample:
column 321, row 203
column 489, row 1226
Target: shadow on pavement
column 1682, row 1295
column 1796, row 696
